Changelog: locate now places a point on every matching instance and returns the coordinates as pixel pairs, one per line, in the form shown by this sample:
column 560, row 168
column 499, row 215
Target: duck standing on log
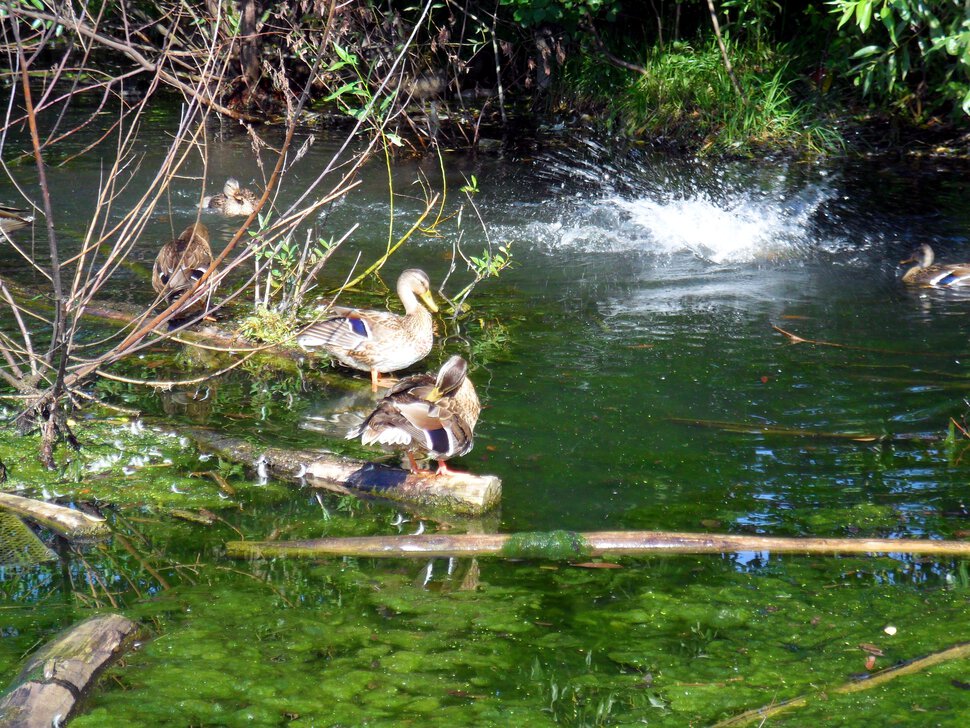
column 235, row 200
column 434, row 416
column 379, row 341
column 182, row 262
column 924, row 273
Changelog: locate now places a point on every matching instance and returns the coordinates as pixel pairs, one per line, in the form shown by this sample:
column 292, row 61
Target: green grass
column 686, row 96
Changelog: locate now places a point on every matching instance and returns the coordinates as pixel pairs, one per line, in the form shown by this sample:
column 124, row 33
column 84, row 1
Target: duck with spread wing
column 428, row 415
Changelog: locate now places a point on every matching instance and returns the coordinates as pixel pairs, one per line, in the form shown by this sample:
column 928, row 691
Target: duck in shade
column 13, row 219
column 379, row 341
column 235, row 200
column 182, row 262
column 428, row 415
column 925, row 273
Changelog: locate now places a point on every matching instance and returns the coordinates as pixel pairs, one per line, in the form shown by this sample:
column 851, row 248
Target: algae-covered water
column 627, row 363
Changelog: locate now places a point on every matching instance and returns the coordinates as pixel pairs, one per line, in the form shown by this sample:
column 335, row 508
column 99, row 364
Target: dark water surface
column 636, row 322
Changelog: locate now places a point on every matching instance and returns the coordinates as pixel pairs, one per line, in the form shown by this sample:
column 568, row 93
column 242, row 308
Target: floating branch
column 463, row 493
column 958, row 652
column 60, row 674
column 569, row 545
column 66, row 522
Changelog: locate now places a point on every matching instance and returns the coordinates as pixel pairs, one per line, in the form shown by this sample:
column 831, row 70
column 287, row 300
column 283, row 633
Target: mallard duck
column 924, row 273
column 432, row 415
column 379, row 341
column 234, row 200
column 13, row 219
column 181, row 262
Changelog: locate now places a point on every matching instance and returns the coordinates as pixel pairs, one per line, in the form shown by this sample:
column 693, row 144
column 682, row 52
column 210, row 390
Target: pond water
column 626, row 363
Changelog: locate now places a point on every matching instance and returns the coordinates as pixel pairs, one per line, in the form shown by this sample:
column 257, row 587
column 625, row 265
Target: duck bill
column 429, row 302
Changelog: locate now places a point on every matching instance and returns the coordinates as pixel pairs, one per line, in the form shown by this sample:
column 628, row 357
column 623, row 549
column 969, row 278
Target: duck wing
column 950, row 276
column 13, row 219
column 351, row 329
column 409, row 422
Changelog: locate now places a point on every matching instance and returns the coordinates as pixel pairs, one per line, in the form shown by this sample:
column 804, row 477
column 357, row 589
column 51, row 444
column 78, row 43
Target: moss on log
column 59, row 675
column 461, row 493
column 67, row 522
column 568, row 545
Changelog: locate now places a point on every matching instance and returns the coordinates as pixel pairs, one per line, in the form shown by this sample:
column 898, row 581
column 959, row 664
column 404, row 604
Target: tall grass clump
column 686, row 97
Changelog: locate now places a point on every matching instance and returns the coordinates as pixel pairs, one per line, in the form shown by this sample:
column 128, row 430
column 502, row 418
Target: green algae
column 552, row 545
column 123, row 463
column 627, row 648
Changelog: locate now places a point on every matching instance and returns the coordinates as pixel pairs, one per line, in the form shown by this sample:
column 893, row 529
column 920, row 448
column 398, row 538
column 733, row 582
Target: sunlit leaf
column 867, row 51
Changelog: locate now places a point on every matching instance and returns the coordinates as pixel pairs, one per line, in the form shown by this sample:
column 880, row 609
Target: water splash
column 730, row 213
column 734, row 227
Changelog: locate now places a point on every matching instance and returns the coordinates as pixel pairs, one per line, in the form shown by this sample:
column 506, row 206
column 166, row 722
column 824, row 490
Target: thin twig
column 724, row 53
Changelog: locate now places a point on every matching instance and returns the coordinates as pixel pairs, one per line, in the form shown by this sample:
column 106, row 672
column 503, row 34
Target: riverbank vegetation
column 736, row 77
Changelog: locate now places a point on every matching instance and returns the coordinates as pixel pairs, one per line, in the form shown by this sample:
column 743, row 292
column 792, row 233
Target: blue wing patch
column 947, row 280
column 358, row 327
column 439, row 440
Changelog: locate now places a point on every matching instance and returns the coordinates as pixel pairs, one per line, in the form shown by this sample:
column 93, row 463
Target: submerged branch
column 755, row 429
column 957, row 652
column 67, row 522
column 796, row 339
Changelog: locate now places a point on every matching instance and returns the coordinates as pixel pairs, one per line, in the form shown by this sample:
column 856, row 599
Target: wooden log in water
column 67, row 522
column 59, row 675
column 462, row 493
column 570, row 545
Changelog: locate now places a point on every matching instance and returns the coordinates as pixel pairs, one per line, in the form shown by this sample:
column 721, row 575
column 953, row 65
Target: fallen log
column 58, row 676
column 570, row 545
column 761, row 715
column 67, row 522
column 462, row 493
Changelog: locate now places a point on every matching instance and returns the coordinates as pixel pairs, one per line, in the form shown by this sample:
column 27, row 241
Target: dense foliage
column 723, row 75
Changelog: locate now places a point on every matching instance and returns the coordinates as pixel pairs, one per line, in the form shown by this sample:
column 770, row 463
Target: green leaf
column 863, row 14
column 867, row 51
column 345, row 89
column 344, row 55
column 848, row 10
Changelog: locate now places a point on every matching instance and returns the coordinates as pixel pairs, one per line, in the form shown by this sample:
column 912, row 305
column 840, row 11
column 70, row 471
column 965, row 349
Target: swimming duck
column 379, row 341
column 181, row 262
column 431, row 415
column 924, row 273
column 233, row 202
column 13, row 219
